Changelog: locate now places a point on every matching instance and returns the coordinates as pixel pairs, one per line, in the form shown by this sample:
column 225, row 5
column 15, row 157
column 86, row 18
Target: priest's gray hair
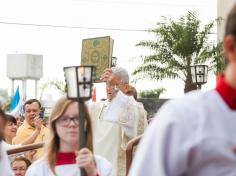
column 121, row 73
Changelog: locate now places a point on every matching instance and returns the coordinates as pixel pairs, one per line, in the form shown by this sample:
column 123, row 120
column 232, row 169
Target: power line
column 72, row 27
column 77, row 27
column 147, row 3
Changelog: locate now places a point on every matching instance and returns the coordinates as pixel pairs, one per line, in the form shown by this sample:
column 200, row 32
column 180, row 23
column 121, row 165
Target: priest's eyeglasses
column 65, row 121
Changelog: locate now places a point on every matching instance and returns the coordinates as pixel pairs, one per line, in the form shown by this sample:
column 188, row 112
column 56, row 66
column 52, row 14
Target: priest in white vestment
column 116, row 120
column 195, row 135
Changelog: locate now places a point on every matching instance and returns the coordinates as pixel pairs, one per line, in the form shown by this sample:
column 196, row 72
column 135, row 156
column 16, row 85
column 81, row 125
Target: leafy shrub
column 152, row 93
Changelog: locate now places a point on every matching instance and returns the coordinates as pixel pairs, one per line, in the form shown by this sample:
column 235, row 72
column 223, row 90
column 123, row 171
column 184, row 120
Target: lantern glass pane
column 197, row 70
column 201, row 69
column 84, row 74
column 194, row 79
column 70, row 74
column 114, row 60
column 193, row 74
column 198, row 79
column 206, row 73
column 201, row 79
column 84, row 90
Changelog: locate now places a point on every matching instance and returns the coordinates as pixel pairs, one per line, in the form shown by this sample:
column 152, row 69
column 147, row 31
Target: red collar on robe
column 227, row 92
column 65, row 158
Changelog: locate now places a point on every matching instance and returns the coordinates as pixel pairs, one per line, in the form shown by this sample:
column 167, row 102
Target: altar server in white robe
column 195, row 135
column 116, row 120
column 63, row 155
column 5, row 168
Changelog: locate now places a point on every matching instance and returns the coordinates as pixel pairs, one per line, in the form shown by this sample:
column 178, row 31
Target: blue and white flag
column 16, row 103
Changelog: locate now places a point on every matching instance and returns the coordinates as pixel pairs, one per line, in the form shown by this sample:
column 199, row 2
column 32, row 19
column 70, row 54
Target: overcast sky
column 62, row 46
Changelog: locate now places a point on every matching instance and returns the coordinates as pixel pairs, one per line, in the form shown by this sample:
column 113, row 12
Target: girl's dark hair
column 2, row 114
column 230, row 28
column 10, row 118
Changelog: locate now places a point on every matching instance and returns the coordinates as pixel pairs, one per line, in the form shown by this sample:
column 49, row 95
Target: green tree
column 5, row 100
column 57, row 84
column 151, row 93
column 218, row 63
column 178, row 45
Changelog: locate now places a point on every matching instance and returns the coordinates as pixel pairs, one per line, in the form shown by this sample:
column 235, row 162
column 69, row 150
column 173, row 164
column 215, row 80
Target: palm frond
column 155, row 72
column 148, row 44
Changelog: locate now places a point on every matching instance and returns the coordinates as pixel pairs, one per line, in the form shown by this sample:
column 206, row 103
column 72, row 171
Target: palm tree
column 218, row 63
column 178, row 45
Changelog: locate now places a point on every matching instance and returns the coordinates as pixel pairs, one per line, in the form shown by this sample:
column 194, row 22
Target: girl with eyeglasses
column 63, row 156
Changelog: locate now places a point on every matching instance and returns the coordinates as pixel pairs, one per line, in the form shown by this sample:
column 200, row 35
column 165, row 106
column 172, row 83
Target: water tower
column 24, row 67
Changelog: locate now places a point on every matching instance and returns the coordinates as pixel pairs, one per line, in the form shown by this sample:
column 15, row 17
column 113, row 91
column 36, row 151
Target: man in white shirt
column 5, row 167
column 195, row 135
column 116, row 120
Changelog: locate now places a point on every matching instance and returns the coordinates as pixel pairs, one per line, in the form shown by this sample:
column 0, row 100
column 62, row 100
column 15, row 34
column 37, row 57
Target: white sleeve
column 123, row 111
column 5, row 167
column 104, row 167
column 164, row 147
column 38, row 168
column 7, row 146
column 30, row 172
column 33, row 171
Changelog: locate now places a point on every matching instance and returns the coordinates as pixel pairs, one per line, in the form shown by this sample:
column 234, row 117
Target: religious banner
column 98, row 52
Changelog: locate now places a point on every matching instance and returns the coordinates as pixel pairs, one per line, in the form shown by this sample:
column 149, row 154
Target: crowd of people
column 109, row 125
column 194, row 135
